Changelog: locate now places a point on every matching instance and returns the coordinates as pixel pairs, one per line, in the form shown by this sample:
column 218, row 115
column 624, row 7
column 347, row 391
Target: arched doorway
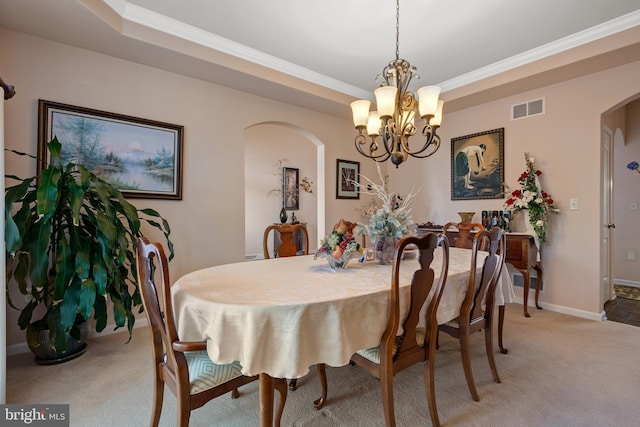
column 268, row 147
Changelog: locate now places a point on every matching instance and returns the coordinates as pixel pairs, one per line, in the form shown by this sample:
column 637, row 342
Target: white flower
column 538, row 200
column 539, row 223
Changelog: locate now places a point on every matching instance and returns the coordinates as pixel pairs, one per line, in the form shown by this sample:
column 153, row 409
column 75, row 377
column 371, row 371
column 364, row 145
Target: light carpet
column 560, row 371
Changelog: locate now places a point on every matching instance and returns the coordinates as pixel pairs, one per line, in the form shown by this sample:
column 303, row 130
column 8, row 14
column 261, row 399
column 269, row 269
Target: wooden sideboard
column 522, row 253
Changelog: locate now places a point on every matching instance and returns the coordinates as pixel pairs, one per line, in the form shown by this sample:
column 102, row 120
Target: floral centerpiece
column 388, row 221
column 531, row 199
column 339, row 247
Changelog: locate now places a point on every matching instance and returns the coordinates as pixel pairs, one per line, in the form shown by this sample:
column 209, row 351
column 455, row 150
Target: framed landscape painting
column 348, row 174
column 140, row 157
column 477, row 166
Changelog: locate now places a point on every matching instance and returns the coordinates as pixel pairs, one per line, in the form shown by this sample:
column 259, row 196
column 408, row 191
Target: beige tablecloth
column 283, row 315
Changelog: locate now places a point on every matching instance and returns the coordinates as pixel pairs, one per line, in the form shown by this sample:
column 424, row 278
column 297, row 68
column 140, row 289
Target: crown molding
column 589, row 35
column 135, row 19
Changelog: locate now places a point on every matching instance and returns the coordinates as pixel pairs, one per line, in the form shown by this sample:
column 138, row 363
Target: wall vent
column 527, row 109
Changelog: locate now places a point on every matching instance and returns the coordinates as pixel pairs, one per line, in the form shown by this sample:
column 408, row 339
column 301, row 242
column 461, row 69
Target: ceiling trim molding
column 597, row 32
column 133, row 16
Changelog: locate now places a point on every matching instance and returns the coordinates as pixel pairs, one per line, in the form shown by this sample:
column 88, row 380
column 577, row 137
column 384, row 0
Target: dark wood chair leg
column 488, row 340
column 525, row 289
column 500, row 329
column 466, row 364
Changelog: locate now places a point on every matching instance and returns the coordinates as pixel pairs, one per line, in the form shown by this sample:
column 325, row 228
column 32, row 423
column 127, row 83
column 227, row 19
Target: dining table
column 278, row 317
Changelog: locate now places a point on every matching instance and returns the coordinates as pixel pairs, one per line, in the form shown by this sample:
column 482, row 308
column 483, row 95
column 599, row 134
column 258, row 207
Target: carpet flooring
column 560, row 371
column 628, row 292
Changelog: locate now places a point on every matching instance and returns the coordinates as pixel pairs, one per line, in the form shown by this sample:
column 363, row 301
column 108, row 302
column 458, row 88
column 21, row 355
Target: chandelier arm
column 430, row 133
column 361, row 140
column 434, row 144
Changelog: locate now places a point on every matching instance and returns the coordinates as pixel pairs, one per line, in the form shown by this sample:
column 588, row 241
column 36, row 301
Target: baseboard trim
column 22, row 347
column 564, row 310
column 624, row 282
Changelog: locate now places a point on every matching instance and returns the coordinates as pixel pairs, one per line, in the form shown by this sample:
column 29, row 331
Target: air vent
column 527, row 109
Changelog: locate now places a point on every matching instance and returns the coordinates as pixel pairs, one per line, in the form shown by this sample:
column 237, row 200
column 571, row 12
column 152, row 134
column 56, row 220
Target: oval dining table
column 280, row 316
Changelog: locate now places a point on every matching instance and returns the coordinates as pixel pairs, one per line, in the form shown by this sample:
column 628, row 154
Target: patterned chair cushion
column 373, row 353
column 204, row 374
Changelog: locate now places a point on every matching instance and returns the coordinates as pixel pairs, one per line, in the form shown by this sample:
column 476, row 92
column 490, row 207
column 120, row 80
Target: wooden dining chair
column 287, row 246
column 466, row 232
column 183, row 366
column 476, row 312
column 413, row 345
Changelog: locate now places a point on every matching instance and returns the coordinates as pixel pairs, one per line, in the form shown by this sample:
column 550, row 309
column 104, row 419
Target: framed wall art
column 291, row 189
column 347, row 178
column 140, row 157
column 477, row 166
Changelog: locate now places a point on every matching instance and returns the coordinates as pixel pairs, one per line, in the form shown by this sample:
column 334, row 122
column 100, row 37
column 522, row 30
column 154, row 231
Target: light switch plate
column 633, row 206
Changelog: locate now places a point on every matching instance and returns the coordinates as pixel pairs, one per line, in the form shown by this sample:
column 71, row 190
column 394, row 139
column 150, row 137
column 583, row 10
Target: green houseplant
column 70, row 248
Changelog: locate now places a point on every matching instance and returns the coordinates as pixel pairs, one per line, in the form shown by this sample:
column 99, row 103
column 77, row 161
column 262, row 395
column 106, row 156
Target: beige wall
column 208, row 224
column 566, row 144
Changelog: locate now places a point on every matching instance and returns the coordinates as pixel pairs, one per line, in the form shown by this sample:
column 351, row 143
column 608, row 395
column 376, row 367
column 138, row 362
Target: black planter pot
column 43, row 348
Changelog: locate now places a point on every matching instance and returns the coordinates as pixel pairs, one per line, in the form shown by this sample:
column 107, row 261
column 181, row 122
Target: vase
column 385, row 249
column 283, row 215
column 466, row 217
column 342, row 262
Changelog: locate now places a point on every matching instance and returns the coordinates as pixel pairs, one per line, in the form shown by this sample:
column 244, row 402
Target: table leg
column 538, row 269
column 500, row 328
column 266, row 400
column 267, row 386
column 525, row 290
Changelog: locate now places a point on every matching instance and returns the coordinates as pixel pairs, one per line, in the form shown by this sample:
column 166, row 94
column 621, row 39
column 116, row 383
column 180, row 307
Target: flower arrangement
column 530, row 197
column 633, row 166
column 392, row 218
column 339, row 246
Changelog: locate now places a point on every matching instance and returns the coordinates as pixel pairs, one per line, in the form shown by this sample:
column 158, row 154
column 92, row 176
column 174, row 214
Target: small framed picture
column 290, row 189
column 347, row 179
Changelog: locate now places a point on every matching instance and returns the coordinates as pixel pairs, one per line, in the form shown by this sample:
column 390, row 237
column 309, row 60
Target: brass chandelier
column 394, row 120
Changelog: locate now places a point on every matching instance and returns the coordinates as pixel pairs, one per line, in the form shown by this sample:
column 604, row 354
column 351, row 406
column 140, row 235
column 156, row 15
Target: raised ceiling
column 322, row 55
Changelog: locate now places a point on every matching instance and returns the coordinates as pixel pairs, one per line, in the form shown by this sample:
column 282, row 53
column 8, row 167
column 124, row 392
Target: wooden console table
column 522, row 253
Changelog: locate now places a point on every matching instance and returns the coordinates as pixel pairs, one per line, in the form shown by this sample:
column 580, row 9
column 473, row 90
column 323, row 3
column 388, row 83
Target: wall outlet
column 631, row 255
column 573, row 204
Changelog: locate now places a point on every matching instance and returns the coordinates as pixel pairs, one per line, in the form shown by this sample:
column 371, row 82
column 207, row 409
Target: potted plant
column 70, row 248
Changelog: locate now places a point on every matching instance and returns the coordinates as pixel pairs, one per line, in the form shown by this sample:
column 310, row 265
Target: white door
column 607, row 291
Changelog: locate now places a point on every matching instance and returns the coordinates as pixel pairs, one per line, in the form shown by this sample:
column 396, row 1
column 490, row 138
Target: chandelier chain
column 397, row 29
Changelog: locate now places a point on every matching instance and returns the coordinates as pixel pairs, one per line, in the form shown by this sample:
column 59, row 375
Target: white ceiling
column 323, row 54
